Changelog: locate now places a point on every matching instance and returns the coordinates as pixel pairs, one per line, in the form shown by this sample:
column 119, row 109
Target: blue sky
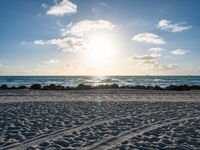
column 99, row 37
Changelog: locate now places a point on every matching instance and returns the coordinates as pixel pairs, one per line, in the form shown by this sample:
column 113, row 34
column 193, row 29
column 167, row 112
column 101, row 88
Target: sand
column 99, row 120
column 98, row 95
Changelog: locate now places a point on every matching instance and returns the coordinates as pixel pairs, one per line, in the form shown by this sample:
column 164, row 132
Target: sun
column 102, row 49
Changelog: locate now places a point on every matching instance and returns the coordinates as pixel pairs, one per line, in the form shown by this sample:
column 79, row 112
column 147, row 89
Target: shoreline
column 27, row 95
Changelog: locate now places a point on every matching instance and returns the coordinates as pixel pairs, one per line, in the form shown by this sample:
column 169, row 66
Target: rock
column 36, row 87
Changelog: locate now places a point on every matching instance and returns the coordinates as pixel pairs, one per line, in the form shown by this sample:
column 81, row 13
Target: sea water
column 73, row 81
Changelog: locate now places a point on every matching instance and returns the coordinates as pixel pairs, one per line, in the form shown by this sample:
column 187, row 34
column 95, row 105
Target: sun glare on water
column 102, row 50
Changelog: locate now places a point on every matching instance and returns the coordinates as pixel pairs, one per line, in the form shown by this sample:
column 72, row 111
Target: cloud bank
column 75, row 36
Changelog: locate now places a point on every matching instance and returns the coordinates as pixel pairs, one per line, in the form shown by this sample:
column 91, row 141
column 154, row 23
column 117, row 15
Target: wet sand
column 99, row 119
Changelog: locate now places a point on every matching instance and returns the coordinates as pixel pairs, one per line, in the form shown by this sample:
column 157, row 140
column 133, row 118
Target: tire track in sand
column 54, row 135
column 112, row 142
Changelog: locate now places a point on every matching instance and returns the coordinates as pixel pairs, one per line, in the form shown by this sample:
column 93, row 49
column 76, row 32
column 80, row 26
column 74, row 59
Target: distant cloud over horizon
column 167, row 25
column 149, row 59
column 165, row 66
column 62, row 8
column 153, row 64
column 149, row 38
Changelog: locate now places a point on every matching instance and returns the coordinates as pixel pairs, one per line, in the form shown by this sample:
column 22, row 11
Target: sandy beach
column 99, row 119
column 98, row 95
column 99, row 75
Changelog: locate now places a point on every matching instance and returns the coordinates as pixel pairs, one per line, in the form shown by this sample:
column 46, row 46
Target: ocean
column 73, row 81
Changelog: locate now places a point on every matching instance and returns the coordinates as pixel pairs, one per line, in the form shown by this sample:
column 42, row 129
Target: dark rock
column 22, row 87
column 114, row 86
column 4, row 87
column 157, row 88
column 83, row 87
column 36, row 87
column 12, row 88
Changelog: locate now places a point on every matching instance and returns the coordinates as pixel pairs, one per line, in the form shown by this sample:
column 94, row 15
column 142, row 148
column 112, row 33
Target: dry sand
column 99, row 120
column 98, row 95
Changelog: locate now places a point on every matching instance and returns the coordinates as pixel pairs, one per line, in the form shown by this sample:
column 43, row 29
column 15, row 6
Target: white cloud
column 62, row 8
column 168, row 26
column 179, row 52
column 52, row 61
column 39, row 42
column 149, row 62
column 68, row 44
column 85, row 27
column 156, row 49
column 76, row 36
column 158, row 66
column 149, row 38
column 143, row 57
column 146, row 59
column 149, row 58
column 1, row 65
column 156, row 54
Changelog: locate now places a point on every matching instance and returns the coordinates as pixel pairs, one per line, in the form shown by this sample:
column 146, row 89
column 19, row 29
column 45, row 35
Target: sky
column 99, row 37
